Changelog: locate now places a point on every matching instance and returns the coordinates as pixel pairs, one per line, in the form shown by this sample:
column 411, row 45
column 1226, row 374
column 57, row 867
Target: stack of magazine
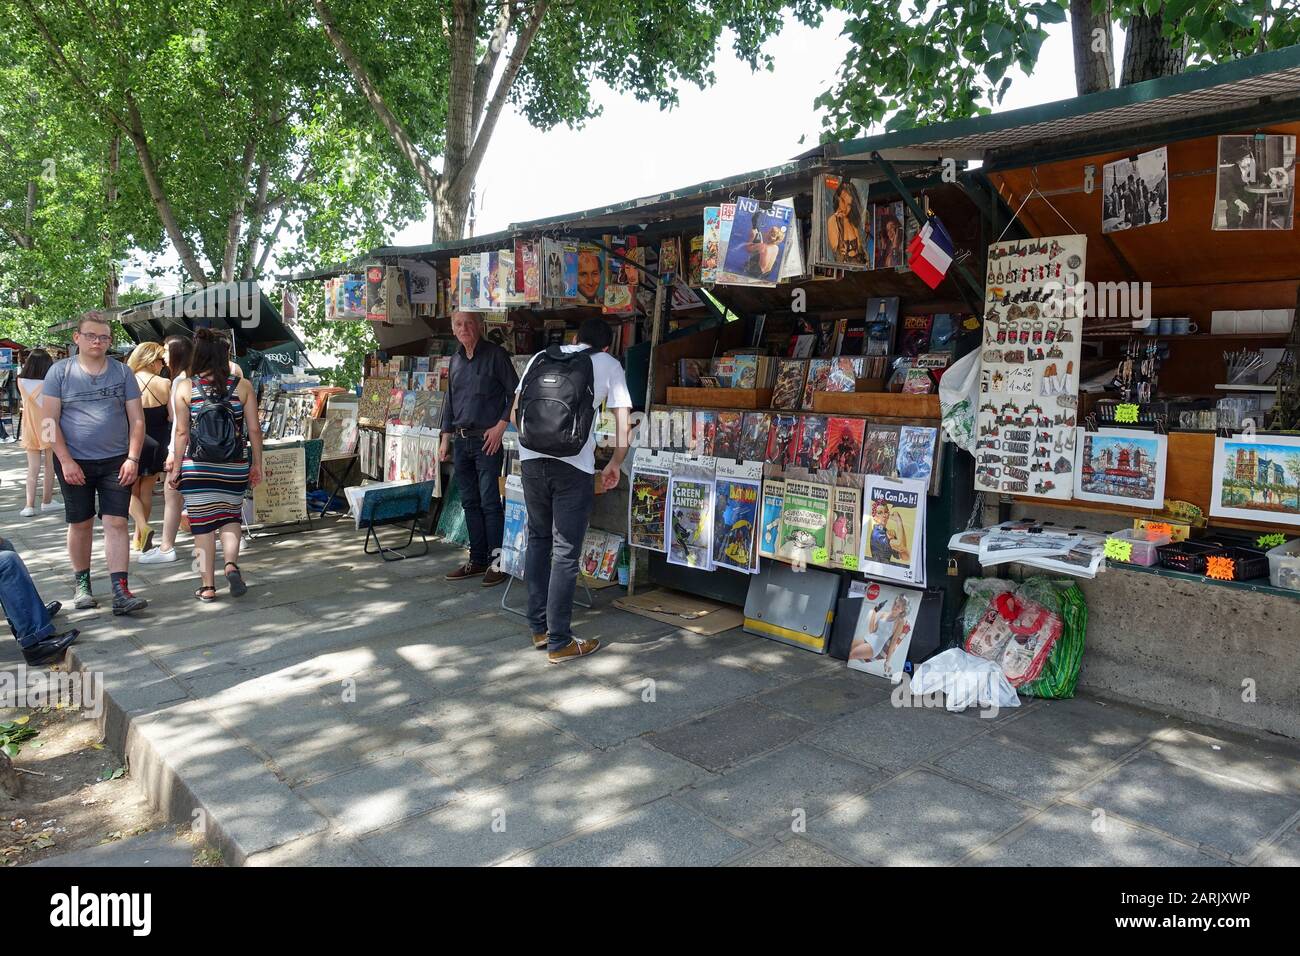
column 1036, row 544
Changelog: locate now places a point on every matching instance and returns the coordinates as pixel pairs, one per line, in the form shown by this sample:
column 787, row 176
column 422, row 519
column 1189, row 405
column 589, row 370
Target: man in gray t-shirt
column 90, row 407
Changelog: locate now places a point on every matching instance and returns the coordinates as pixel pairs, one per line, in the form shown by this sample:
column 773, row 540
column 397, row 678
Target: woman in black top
column 147, row 361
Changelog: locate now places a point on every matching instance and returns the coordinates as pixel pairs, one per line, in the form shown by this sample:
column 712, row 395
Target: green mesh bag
column 451, row 522
column 1061, row 671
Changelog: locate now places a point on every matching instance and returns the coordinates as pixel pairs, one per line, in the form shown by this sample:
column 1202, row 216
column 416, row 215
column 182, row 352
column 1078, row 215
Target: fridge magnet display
column 736, row 502
column 1135, row 191
column 1255, row 187
column 884, row 630
column 1257, row 478
column 1029, row 370
column 893, row 529
column 1120, row 466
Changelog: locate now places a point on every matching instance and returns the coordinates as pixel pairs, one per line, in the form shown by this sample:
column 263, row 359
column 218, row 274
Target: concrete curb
column 195, row 771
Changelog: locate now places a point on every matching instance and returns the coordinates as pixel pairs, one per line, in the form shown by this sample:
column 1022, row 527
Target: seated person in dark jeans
column 29, row 618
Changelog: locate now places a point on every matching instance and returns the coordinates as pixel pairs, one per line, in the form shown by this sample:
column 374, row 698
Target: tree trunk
column 159, row 195
column 406, row 145
column 1148, row 54
column 11, row 784
column 1094, row 58
column 236, row 222
column 110, row 196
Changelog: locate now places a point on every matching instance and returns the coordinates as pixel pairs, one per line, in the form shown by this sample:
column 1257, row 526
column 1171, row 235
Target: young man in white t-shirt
column 559, row 494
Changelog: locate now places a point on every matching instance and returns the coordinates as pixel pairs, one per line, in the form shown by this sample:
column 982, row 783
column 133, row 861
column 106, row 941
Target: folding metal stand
column 510, row 580
column 398, row 553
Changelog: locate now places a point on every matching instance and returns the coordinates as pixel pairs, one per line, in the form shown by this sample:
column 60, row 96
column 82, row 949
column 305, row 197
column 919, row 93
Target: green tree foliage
column 923, row 61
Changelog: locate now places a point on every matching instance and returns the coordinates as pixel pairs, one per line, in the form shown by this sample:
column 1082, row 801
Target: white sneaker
column 29, row 512
column 53, row 506
column 157, row 556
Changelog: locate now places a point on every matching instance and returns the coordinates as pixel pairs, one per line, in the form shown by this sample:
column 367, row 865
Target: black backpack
column 216, row 434
column 556, row 399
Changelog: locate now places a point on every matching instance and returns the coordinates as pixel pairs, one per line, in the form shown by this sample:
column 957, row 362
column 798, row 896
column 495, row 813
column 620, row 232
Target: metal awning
column 1253, row 89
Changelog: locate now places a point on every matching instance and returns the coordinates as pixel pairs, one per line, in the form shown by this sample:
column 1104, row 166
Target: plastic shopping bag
column 965, row 681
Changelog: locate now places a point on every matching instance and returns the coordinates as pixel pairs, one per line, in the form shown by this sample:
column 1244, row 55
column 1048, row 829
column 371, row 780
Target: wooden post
column 657, row 322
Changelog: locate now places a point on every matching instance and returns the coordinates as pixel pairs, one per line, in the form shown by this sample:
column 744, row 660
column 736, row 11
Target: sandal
column 203, row 595
column 237, row 585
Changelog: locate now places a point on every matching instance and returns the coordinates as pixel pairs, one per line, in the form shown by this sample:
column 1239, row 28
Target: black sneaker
column 50, row 650
column 53, row 608
column 124, row 602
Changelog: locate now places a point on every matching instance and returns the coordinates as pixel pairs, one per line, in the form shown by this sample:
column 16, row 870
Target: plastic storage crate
column 1187, row 556
column 1247, row 563
column 1284, row 565
column 1145, row 546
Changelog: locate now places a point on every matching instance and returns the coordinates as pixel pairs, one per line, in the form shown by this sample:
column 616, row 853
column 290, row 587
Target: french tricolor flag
column 930, row 252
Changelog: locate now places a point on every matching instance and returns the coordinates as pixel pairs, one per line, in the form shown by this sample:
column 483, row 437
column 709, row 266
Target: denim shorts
column 101, row 480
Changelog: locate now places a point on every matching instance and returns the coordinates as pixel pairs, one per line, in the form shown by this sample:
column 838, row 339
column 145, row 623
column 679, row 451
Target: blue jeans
column 22, row 605
column 559, row 499
column 476, row 477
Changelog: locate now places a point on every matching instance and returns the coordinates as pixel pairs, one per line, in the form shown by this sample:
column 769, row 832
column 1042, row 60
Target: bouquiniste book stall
column 878, row 381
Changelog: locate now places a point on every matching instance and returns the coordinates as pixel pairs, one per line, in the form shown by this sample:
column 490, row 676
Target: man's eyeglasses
column 94, row 339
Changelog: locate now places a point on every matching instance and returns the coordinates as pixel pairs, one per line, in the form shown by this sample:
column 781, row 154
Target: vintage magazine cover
column 893, row 529
column 844, row 438
column 726, row 442
column 805, row 515
column 570, row 252
column 690, row 494
column 648, row 500
column 591, row 274
column 736, row 502
column 819, row 374
column 710, row 243
column 846, row 524
column 842, row 226
column 917, row 446
column 914, row 335
column 770, row 527
column 882, row 321
column 704, row 431
column 760, row 236
column 787, row 392
column 812, row 442
column 696, row 261
column 783, row 441
column 670, row 256
column 514, row 542
column 880, row 450
column 754, row 430
column 374, row 400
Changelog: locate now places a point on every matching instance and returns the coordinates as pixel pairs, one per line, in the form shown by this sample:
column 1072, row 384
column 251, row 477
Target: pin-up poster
column 884, row 630
column 1029, row 366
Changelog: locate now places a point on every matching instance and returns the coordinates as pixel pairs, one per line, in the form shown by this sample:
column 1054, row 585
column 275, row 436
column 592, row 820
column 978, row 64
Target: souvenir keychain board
column 1029, row 366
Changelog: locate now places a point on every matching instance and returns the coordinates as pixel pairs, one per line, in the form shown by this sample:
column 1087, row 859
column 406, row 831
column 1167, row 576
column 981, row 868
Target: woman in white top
column 40, row 452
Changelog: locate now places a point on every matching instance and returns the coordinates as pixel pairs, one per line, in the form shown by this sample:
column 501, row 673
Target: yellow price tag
column 1119, row 550
column 850, row 562
column 1126, row 414
column 821, row 556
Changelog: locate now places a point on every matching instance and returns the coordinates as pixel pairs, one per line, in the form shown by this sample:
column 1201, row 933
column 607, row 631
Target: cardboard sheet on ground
column 690, row 613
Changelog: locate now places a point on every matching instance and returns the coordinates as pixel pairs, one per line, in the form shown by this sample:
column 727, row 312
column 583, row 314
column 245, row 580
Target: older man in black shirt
column 480, row 392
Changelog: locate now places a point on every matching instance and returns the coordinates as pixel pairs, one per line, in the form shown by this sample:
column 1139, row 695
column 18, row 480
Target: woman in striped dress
column 214, row 491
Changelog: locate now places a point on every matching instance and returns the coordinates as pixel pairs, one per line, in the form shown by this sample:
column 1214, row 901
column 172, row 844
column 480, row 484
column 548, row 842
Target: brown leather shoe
column 576, row 648
column 492, row 577
column 466, row 570
column 539, row 641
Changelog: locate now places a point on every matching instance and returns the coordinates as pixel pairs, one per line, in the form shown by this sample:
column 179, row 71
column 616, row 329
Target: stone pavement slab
column 490, row 826
column 1220, row 812
column 794, row 852
column 1083, row 730
column 1016, row 771
column 1073, row 836
column 496, row 756
column 664, row 833
column 377, row 794
column 918, row 818
column 896, row 738
column 827, row 697
column 767, row 797
column 729, row 736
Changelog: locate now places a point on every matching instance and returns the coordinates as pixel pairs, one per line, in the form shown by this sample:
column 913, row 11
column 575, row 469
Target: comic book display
column 805, row 516
column 845, row 526
column 648, row 499
column 736, row 494
column 769, row 533
column 893, row 529
column 690, row 516
column 1029, row 367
